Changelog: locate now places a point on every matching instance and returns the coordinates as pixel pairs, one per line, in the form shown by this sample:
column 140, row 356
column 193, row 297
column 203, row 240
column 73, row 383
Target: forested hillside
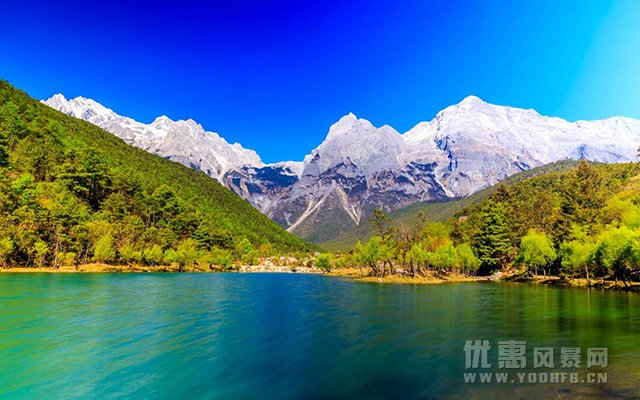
column 562, row 212
column 581, row 222
column 73, row 193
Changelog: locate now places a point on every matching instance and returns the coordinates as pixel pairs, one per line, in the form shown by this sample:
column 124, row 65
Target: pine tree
column 493, row 242
column 381, row 225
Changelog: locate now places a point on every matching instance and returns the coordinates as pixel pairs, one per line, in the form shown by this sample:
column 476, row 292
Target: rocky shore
column 279, row 269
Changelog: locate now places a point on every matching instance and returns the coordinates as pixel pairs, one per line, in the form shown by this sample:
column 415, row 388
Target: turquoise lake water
column 288, row 336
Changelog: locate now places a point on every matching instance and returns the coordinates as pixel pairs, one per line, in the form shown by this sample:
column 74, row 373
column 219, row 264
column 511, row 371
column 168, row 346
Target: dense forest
column 72, row 193
column 582, row 222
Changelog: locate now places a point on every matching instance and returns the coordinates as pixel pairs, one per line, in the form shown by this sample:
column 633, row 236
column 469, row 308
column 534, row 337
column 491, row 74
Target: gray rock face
column 360, row 167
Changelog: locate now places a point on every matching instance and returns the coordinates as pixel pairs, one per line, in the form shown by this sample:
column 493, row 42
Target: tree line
column 584, row 222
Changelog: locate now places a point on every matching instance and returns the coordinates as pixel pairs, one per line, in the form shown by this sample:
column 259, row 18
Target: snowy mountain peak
column 350, row 116
column 184, row 141
column 59, row 102
column 83, row 108
column 347, row 124
column 471, row 101
column 355, row 143
column 57, row 98
column 163, row 119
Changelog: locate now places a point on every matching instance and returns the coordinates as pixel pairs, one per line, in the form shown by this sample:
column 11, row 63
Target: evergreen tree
column 4, row 156
column 493, row 244
column 381, row 225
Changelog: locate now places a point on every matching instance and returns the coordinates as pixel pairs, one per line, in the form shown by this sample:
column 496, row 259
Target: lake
column 290, row 336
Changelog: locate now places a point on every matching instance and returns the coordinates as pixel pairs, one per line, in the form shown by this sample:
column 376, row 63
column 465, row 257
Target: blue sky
column 274, row 75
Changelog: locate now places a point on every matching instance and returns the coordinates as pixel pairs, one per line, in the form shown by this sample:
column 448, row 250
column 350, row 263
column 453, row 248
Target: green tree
column 203, row 236
column 407, row 235
column 221, row 258
column 435, row 235
column 345, row 260
column 467, row 259
column 376, row 255
column 153, row 256
column 68, row 258
column 127, row 254
column 444, row 258
column 493, row 244
column 324, row 262
column 6, row 248
column 417, row 258
column 39, row 252
column 4, row 156
column 537, row 251
column 105, row 251
column 576, row 256
column 172, row 257
column 188, row 252
column 618, row 252
column 381, row 225
column 246, row 253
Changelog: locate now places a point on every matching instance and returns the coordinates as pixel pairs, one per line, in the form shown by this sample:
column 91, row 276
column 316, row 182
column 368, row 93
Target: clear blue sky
column 274, row 75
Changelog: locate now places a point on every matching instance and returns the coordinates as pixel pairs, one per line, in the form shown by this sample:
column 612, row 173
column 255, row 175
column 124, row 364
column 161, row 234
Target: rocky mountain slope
column 360, row 167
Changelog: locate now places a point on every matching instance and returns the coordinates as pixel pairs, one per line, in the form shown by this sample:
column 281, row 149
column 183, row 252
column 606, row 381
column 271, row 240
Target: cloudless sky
column 274, row 75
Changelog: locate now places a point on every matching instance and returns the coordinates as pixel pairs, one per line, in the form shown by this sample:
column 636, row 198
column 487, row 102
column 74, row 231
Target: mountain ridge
column 359, row 167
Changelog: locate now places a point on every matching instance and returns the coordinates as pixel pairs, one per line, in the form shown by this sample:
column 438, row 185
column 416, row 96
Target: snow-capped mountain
column 360, row 167
column 185, row 142
column 479, row 144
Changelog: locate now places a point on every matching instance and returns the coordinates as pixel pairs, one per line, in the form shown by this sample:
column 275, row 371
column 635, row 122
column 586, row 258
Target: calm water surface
column 287, row 336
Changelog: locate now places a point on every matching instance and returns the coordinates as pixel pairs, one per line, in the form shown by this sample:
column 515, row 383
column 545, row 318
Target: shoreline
column 576, row 283
column 354, row 274
column 97, row 268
